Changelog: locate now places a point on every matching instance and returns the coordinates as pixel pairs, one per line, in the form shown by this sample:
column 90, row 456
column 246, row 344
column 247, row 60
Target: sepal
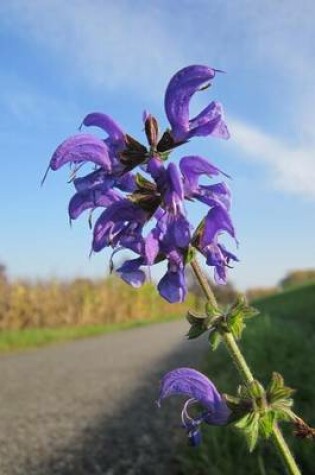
column 214, row 339
column 237, row 314
column 199, row 324
column 249, row 425
column 279, row 398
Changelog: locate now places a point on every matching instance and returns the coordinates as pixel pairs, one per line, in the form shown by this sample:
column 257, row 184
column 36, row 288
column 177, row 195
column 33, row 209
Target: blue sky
column 61, row 60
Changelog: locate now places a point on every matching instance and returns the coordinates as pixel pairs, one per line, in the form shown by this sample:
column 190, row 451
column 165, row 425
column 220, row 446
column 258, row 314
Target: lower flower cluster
column 201, row 391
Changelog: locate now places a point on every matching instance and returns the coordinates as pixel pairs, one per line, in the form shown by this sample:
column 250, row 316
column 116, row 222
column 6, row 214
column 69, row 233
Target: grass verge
column 281, row 338
column 18, row 340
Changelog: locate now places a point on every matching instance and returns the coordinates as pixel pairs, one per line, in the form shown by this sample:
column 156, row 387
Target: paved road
column 87, row 407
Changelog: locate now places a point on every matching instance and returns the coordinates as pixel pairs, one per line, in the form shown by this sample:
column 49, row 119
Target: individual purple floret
column 207, row 241
column 183, row 85
column 200, row 390
column 142, row 198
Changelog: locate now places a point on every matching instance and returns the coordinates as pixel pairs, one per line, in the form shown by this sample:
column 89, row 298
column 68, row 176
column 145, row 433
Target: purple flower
column 179, row 92
column 102, row 180
column 173, row 286
column 116, row 136
column 91, row 199
column 192, row 168
column 116, row 140
column 131, row 273
column 120, row 224
column 216, row 222
column 199, row 389
column 79, row 149
column 169, row 240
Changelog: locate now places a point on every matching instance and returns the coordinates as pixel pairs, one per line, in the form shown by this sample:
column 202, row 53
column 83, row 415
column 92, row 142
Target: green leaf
column 244, row 423
column 256, row 390
column 238, row 407
column 252, row 436
column 212, row 311
column 249, row 425
column 283, row 412
column 266, row 423
column 195, row 331
column 236, row 315
column 214, row 339
column 277, row 391
column 199, row 324
column 194, row 318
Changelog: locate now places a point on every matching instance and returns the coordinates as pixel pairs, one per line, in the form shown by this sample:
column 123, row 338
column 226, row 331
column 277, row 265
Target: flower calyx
column 133, row 154
column 303, row 430
column 264, row 408
column 145, row 195
column 237, row 314
column 199, row 324
column 231, row 320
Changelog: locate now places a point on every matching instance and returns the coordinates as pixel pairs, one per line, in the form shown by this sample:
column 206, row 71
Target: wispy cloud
column 24, row 106
column 111, row 44
column 291, row 168
column 136, row 45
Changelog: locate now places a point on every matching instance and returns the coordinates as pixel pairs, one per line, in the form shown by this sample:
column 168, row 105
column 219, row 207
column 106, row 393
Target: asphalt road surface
column 88, row 407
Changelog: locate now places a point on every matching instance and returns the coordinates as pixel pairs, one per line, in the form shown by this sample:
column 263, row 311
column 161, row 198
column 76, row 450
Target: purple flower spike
column 199, row 389
column 81, row 148
column 145, row 210
column 180, row 90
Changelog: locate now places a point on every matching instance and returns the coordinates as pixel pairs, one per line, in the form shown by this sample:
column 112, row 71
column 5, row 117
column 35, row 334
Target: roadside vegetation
column 281, row 338
column 38, row 313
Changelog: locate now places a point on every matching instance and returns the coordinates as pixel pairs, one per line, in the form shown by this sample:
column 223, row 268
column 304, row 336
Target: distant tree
column 3, row 273
column 297, row 277
column 260, row 292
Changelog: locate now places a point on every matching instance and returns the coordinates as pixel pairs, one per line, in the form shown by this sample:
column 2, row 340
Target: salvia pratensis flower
column 206, row 240
column 183, row 85
column 79, row 149
column 200, row 390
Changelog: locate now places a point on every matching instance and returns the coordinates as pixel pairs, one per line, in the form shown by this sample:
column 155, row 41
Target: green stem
column 284, row 451
column 237, row 357
column 203, row 281
column 245, row 372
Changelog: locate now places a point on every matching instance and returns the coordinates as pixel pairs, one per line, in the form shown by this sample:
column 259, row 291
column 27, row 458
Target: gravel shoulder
column 88, row 407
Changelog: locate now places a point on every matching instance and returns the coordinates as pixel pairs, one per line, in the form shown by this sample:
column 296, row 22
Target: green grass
column 281, row 338
column 16, row 340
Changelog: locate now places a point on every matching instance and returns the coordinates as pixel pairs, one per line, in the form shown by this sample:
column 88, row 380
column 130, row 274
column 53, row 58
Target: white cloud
column 136, row 45
column 291, row 168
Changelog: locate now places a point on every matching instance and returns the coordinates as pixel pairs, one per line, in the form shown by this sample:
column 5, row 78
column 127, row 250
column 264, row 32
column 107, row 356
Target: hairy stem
column 284, row 451
column 238, row 358
column 245, row 372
